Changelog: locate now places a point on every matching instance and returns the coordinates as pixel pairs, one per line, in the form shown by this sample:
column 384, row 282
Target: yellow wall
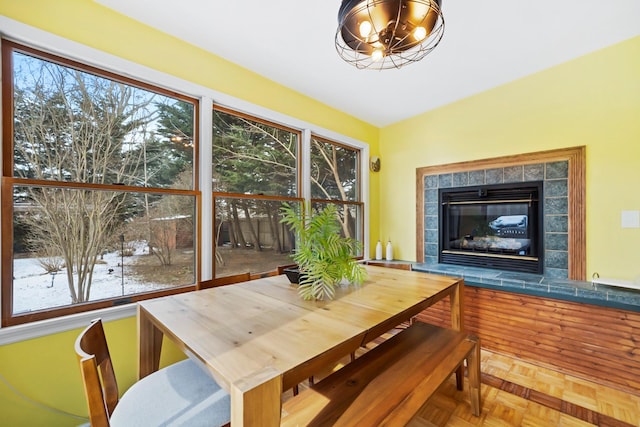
column 592, row 101
column 45, row 369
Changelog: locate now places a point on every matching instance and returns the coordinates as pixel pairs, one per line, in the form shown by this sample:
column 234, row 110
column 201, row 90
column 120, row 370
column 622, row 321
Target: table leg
column 149, row 345
column 260, row 406
column 457, row 322
column 457, row 306
column 475, row 391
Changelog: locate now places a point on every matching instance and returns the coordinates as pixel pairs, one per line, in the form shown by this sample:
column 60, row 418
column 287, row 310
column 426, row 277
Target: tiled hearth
column 538, row 285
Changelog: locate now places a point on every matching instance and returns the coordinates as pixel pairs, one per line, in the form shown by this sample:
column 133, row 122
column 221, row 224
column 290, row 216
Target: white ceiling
column 485, row 44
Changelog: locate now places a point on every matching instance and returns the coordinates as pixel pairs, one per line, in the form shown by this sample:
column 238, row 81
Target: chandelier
column 383, row 34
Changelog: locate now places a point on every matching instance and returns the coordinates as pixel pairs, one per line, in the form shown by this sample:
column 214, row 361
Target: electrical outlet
column 630, row 219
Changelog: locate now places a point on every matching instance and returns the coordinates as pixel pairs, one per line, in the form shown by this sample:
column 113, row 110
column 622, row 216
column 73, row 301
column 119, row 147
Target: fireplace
column 492, row 226
column 563, row 175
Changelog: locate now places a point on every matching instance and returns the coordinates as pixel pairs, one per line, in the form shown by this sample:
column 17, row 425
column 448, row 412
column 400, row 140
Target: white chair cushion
column 181, row 394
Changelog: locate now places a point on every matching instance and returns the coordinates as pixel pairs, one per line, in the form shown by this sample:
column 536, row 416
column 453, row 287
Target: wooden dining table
column 259, row 338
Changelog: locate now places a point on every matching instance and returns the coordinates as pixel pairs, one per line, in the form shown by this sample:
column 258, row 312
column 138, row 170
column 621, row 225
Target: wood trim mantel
column 575, row 156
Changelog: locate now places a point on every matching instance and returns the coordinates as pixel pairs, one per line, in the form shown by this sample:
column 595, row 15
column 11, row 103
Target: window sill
column 14, row 334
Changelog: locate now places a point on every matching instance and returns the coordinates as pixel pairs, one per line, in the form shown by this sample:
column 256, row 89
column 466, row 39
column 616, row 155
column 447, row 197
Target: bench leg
column 473, row 365
column 460, row 377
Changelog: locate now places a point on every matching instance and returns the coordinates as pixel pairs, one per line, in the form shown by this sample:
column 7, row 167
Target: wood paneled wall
column 591, row 342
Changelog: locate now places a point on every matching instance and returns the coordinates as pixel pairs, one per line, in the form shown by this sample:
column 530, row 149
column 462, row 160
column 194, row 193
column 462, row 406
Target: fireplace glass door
column 492, row 226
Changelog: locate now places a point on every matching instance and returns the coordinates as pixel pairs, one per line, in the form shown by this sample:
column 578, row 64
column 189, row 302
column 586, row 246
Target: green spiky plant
column 323, row 256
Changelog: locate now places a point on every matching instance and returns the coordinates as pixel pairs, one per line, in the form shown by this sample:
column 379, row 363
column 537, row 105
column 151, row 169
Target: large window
column 101, row 185
column 335, row 178
column 334, row 171
column 257, row 166
column 99, row 201
column 255, row 169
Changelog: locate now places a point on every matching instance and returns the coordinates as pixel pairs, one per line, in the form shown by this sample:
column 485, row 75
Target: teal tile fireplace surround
column 554, row 176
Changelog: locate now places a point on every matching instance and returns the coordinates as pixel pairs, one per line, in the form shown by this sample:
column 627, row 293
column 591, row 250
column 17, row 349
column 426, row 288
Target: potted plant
column 324, row 258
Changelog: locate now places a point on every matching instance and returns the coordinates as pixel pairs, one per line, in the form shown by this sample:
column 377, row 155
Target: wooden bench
column 389, row 384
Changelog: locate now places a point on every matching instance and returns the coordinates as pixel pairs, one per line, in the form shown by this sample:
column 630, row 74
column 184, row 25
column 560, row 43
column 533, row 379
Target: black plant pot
column 293, row 274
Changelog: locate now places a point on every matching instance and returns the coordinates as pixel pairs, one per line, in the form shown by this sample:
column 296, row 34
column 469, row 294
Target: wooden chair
column 225, row 280
column 281, row 268
column 181, row 394
column 388, row 264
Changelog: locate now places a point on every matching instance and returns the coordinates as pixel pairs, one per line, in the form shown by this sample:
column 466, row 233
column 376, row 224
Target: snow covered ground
column 33, row 290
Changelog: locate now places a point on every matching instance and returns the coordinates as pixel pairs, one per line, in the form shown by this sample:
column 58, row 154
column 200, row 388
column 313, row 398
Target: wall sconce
column 374, row 164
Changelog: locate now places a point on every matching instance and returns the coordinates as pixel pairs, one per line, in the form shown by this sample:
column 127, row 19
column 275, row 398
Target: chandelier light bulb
column 376, row 55
column 365, row 29
column 419, row 33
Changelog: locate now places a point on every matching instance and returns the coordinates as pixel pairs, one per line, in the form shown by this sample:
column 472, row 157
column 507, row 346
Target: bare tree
column 331, row 177
column 168, row 220
column 73, row 127
column 74, row 224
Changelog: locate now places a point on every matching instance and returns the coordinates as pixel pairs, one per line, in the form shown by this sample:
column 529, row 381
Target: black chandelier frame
column 392, row 24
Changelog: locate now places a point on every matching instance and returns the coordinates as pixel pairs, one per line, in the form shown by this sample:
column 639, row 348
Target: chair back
column 225, row 280
column 100, row 388
column 396, row 265
column 280, row 269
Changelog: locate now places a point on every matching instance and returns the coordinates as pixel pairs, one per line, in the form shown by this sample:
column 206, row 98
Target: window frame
column 358, row 169
column 358, row 203
column 9, row 181
column 263, row 121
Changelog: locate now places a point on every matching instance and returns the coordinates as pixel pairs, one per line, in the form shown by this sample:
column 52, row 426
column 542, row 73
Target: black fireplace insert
column 493, row 226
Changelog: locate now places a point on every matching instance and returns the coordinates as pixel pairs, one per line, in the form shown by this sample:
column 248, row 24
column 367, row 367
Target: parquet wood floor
column 517, row 393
